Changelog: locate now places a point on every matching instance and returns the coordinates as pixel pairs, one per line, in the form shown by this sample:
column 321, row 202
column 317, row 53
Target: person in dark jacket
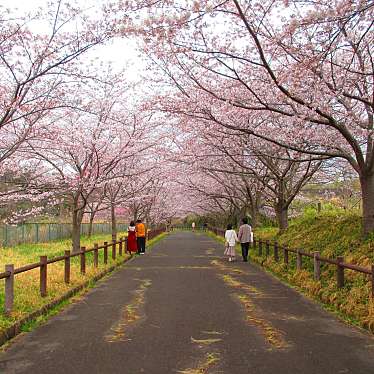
column 245, row 237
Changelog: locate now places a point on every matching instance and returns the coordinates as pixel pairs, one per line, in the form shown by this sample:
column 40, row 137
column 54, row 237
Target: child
column 231, row 239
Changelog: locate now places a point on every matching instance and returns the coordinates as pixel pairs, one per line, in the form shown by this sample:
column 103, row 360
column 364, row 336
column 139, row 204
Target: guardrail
column 10, row 271
column 277, row 249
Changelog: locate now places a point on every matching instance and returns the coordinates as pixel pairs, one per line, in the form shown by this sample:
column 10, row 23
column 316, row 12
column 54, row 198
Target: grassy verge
column 27, row 253
column 27, row 297
column 332, row 235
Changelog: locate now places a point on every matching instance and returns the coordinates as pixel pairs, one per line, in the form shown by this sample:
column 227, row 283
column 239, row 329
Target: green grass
column 329, row 233
column 27, row 296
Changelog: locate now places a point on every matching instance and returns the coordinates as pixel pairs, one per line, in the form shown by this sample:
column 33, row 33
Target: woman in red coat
column 131, row 238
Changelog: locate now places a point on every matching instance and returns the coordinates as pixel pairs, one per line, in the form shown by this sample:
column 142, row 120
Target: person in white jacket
column 231, row 239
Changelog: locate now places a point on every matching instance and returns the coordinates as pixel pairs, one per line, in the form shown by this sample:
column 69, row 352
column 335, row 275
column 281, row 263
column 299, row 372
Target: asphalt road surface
column 182, row 308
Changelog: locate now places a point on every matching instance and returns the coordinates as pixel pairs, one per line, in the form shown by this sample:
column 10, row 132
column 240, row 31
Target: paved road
column 182, row 309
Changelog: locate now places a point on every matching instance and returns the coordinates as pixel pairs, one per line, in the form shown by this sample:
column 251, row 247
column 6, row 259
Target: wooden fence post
column 9, row 289
column 260, row 247
column 43, row 276
column 114, row 244
column 299, row 260
column 105, row 253
column 254, row 243
column 340, row 273
column 276, row 252
column 267, row 248
column 285, row 255
column 96, row 255
column 317, row 266
column 372, row 281
column 83, row 260
column 120, row 246
column 67, row 266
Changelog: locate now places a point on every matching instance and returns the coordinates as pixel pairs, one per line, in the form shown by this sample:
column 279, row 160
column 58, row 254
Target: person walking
column 132, row 246
column 140, row 236
column 193, row 226
column 231, row 239
column 245, row 237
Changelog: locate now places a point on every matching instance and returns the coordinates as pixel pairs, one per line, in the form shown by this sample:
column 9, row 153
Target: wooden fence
column 10, row 271
column 265, row 247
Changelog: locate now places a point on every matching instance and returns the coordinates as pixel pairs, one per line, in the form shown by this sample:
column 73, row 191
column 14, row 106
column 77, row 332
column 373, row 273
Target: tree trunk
column 76, row 234
column 135, row 213
column 90, row 226
column 61, row 211
column 254, row 202
column 233, row 218
column 114, row 221
column 282, row 216
column 281, row 207
column 254, row 216
column 367, row 190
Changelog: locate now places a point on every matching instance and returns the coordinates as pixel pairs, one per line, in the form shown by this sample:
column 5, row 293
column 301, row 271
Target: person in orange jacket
column 140, row 236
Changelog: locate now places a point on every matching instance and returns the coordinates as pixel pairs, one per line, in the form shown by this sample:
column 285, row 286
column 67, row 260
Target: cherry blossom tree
column 36, row 68
column 86, row 148
column 26, row 192
column 129, row 190
column 95, row 204
column 249, row 172
column 307, row 65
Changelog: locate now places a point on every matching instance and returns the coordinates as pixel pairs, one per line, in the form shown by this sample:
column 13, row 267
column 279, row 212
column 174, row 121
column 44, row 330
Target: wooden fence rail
column 258, row 245
column 43, row 263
